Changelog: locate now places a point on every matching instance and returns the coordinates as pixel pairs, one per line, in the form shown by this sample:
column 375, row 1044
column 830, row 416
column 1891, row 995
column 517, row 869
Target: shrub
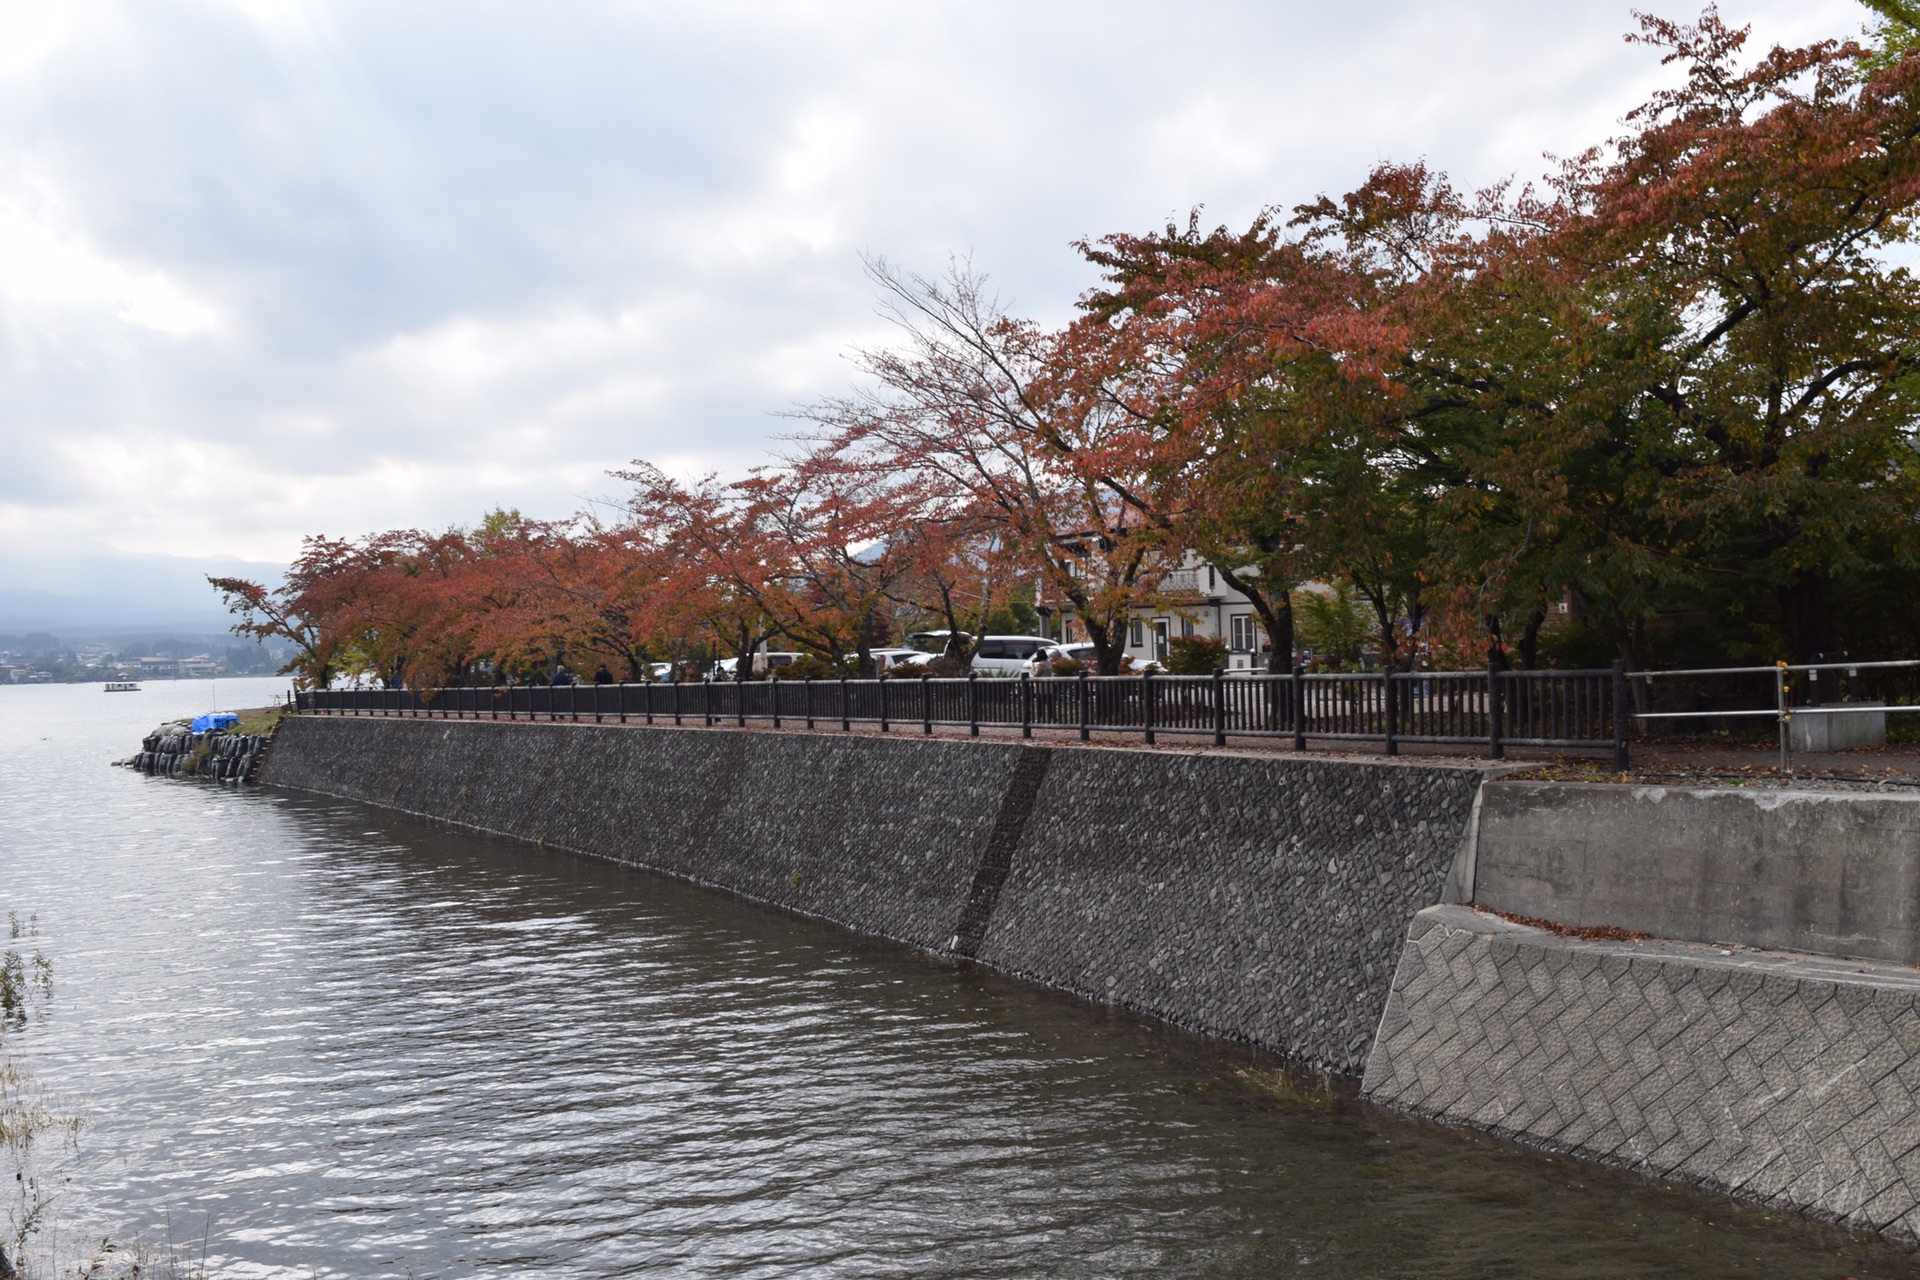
column 1195, row 656
column 1334, row 626
column 807, row 667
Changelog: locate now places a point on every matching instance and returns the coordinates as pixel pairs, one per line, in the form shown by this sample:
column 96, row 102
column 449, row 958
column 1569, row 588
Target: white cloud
column 286, row 267
column 47, row 268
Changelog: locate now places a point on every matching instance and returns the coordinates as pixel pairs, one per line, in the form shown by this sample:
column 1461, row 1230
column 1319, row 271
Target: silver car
column 1008, row 655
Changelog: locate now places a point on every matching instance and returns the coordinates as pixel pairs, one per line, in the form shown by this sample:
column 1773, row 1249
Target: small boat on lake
column 123, row 686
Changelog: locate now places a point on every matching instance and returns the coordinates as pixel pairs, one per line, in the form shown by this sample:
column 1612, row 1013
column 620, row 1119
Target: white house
column 1207, row 607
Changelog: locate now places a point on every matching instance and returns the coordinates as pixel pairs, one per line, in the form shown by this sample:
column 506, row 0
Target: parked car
column 1079, row 651
column 934, row 643
column 1008, row 655
column 900, row 659
column 725, row 668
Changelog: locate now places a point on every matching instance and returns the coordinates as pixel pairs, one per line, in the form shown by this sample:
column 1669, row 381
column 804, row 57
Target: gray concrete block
column 1862, row 725
column 1835, row 873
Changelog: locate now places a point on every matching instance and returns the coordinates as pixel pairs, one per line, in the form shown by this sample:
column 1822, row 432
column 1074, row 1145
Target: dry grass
column 38, row 1137
column 1293, row 1088
column 259, row 720
column 1588, row 932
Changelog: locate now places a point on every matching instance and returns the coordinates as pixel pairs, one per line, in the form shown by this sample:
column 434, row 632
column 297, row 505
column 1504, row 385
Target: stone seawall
column 1793, row 1080
column 1261, row 898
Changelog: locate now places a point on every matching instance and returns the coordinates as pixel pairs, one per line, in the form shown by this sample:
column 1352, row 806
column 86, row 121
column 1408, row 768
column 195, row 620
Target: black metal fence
column 1491, row 708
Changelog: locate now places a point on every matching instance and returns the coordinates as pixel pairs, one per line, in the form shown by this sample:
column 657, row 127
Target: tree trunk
column 1276, row 617
column 1806, row 613
column 743, row 655
column 1496, row 645
column 1530, row 640
column 1108, row 648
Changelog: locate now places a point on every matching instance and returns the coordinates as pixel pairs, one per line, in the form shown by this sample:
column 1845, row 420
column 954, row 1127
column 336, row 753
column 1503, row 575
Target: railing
column 1712, row 696
column 1494, row 708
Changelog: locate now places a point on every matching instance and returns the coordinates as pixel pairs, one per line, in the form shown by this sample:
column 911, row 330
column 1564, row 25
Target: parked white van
column 1007, row 655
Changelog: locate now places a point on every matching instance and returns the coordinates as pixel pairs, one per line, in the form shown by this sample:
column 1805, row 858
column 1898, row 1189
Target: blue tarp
column 215, row 720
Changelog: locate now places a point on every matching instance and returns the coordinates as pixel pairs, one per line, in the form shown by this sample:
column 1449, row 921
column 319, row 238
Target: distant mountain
column 97, row 593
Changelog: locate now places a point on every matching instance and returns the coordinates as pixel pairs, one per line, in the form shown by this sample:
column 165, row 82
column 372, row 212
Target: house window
column 1160, row 630
column 1242, row 629
column 1186, row 626
column 1135, row 637
column 1210, row 583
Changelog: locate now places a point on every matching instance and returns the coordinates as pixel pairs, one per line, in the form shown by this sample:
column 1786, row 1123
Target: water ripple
column 353, row 1045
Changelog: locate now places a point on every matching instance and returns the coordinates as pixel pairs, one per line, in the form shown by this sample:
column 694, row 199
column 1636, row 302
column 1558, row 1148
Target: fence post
column 1219, row 706
column 1495, row 747
column 1620, row 715
column 926, row 703
column 881, row 679
column 773, row 691
column 806, row 699
column 1026, row 705
column 707, row 710
column 1086, row 707
column 676, row 697
column 1146, row 702
column 846, row 716
column 1299, row 706
column 1785, row 715
column 1393, row 723
column 740, row 700
column 973, row 704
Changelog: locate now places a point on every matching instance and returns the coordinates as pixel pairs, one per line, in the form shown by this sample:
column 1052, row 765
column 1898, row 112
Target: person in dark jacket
column 561, row 675
column 601, row 675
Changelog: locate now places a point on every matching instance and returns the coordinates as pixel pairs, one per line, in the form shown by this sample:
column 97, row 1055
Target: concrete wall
column 1836, row 873
column 1262, row 898
column 1789, row 1080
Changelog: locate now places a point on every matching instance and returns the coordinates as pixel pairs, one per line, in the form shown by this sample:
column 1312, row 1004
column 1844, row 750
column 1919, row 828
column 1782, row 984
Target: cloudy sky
column 270, row 267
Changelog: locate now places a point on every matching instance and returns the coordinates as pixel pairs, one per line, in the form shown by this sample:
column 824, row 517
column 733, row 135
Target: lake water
column 335, row 1042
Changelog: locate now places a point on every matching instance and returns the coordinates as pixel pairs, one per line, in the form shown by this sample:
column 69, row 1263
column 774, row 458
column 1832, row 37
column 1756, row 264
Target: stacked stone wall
column 1258, row 897
column 175, row 751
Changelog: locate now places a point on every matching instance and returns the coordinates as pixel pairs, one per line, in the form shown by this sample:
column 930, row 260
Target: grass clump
column 260, row 721
column 36, row 1133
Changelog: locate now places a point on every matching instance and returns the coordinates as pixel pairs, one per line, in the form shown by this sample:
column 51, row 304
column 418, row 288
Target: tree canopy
column 1670, row 387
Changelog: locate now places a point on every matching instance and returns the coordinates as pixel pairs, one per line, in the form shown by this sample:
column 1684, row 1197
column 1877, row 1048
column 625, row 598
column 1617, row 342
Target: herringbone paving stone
column 1789, row 1079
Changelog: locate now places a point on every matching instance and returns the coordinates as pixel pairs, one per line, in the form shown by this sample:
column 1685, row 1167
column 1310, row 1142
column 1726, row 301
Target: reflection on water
column 360, row 1046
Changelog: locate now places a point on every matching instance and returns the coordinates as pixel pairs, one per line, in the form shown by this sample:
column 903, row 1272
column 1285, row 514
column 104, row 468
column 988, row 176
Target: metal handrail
column 1492, row 707
column 1783, row 711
